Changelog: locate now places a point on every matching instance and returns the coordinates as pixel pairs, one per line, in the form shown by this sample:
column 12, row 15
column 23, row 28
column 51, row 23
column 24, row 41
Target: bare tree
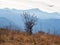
column 54, row 31
column 48, row 31
column 29, row 21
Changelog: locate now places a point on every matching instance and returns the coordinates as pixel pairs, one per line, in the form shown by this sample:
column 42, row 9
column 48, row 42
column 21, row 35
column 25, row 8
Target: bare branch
column 29, row 21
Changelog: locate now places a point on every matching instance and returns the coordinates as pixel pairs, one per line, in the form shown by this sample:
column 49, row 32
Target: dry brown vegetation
column 9, row 37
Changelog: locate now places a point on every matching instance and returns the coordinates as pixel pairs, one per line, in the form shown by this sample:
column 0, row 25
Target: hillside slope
column 6, row 23
column 45, row 20
column 10, row 37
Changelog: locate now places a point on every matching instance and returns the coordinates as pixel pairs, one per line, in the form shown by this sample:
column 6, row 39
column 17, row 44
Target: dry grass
column 8, row 37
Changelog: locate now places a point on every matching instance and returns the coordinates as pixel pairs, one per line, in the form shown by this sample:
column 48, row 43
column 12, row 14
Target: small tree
column 48, row 31
column 29, row 21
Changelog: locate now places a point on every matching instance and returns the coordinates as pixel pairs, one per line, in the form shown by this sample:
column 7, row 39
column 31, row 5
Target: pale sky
column 44, row 5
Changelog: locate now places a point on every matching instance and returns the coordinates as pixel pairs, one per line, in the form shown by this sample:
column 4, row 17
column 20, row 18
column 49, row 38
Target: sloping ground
column 9, row 37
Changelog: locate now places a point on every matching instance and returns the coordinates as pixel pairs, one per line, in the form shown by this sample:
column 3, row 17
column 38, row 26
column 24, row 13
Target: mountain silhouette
column 45, row 20
column 6, row 23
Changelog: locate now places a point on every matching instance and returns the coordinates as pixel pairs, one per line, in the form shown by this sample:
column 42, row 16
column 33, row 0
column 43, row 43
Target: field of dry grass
column 9, row 37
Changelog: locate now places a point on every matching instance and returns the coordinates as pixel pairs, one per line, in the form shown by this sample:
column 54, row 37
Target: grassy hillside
column 9, row 37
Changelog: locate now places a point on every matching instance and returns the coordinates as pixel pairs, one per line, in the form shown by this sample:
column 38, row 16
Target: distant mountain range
column 5, row 23
column 45, row 20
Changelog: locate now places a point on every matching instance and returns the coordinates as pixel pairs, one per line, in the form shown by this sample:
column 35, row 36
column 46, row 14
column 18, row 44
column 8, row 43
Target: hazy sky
column 44, row 5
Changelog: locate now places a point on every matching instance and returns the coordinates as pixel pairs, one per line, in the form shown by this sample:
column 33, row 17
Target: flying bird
column 50, row 5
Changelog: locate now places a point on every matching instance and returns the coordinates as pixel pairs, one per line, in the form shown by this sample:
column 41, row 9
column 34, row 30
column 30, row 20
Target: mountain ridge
column 6, row 23
column 15, row 16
